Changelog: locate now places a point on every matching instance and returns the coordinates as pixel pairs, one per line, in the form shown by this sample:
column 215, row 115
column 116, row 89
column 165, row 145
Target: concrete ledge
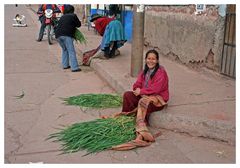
column 114, row 79
column 195, row 126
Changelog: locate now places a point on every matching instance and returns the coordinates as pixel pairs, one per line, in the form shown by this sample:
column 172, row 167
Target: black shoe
column 67, row 67
column 38, row 40
column 76, row 70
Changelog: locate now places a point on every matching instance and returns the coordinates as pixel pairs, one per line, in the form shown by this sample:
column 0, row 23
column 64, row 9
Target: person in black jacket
column 65, row 35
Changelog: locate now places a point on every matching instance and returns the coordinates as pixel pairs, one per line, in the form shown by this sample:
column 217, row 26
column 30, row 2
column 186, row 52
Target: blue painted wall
column 98, row 11
column 127, row 24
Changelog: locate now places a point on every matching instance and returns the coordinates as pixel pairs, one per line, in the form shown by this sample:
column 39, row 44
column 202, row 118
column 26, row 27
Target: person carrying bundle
column 65, row 36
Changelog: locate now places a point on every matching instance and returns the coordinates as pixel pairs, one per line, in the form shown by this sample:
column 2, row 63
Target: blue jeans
column 68, row 52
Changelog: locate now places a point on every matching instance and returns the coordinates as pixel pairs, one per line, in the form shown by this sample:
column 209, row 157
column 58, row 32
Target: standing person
column 42, row 17
column 112, row 31
column 65, row 36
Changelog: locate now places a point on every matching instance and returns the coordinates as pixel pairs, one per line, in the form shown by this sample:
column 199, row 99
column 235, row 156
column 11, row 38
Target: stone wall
column 180, row 34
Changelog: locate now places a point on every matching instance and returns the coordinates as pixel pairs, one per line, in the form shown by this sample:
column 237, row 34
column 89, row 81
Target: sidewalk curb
column 200, row 127
column 112, row 79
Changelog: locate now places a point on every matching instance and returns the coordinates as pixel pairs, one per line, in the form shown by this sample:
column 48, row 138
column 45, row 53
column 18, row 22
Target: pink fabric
column 158, row 85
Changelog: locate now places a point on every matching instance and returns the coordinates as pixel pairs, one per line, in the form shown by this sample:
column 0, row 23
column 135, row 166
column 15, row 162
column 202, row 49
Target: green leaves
column 97, row 135
column 95, row 100
column 78, row 36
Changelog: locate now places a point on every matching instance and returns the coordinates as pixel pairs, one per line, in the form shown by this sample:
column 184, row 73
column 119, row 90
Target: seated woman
column 112, row 31
column 150, row 93
column 153, row 82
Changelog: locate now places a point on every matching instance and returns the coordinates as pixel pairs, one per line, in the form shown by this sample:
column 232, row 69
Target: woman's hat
column 94, row 17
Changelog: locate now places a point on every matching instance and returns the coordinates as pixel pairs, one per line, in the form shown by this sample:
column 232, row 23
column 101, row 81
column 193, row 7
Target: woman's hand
column 136, row 92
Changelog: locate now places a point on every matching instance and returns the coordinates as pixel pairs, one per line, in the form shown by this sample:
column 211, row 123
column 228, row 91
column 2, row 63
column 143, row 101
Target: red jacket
column 101, row 24
column 158, row 85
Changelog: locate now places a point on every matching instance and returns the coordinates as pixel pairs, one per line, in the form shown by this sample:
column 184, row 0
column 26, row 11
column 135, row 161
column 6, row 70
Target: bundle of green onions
column 78, row 36
column 95, row 100
column 97, row 135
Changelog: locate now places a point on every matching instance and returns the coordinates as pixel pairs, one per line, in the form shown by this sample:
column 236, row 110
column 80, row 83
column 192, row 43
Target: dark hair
column 157, row 65
column 68, row 9
column 114, row 9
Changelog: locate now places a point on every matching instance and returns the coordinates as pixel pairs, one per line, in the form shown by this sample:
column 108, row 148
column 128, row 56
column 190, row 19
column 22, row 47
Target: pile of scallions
column 97, row 135
column 95, row 100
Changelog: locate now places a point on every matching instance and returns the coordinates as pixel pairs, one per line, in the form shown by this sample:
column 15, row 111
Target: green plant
column 78, row 36
column 97, row 135
column 95, row 100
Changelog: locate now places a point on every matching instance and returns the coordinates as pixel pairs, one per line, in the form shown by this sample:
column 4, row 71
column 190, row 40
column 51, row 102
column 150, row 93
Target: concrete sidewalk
column 202, row 103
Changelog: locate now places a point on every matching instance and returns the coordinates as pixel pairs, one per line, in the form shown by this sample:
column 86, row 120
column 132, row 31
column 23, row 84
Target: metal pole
column 138, row 40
